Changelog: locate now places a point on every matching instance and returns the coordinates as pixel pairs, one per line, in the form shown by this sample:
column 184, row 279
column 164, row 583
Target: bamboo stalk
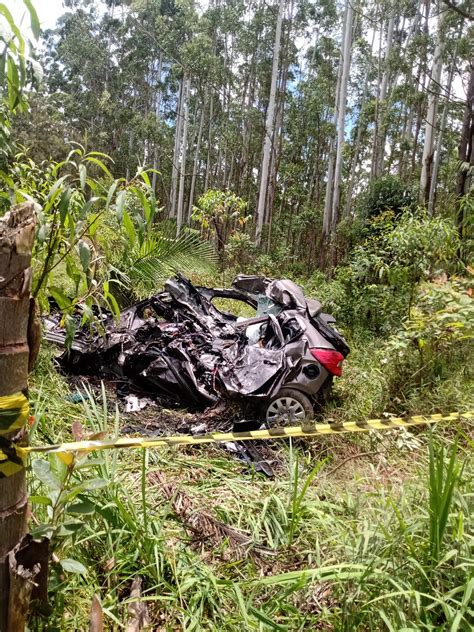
column 18, row 333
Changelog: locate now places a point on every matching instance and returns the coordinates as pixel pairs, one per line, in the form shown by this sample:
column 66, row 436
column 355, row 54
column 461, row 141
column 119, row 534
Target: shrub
column 388, row 193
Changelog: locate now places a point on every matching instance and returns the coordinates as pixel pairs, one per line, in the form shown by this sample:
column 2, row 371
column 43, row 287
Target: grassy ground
column 354, row 532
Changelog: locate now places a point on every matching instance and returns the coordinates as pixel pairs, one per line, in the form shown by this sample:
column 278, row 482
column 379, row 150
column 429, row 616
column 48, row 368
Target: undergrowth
column 354, row 533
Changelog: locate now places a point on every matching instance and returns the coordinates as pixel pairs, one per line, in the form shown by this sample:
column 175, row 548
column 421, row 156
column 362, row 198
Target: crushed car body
column 177, row 344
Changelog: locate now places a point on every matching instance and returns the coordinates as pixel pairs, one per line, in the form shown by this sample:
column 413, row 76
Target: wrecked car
column 178, row 345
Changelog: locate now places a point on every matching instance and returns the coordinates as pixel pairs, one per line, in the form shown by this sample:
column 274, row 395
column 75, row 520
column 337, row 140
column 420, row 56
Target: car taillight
column 331, row 360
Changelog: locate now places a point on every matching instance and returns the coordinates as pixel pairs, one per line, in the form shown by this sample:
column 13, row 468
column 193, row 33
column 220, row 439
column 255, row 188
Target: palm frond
column 161, row 256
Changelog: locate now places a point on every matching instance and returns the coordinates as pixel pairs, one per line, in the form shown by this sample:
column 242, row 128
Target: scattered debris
column 138, row 617
column 134, row 404
column 96, row 617
column 203, row 526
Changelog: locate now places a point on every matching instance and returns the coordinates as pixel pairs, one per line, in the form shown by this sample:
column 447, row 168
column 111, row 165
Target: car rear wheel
column 288, row 407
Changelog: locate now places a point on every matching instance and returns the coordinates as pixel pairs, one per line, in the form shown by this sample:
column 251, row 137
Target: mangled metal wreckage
column 177, row 344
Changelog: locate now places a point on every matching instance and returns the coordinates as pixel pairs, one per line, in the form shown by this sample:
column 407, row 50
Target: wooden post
column 19, row 339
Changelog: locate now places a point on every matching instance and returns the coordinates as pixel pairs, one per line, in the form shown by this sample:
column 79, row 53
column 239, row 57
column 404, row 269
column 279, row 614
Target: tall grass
column 381, row 544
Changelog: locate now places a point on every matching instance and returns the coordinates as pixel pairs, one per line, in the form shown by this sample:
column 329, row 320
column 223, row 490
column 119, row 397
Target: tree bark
column 177, row 146
column 328, row 205
column 346, row 62
column 196, row 161
column 157, row 117
column 182, row 156
column 433, row 97
column 269, row 127
column 439, row 140
column 466, row 153
column 382, row 106
column 19, row 341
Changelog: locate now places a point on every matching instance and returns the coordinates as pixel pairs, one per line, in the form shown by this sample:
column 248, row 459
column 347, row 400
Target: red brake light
column 331, row 360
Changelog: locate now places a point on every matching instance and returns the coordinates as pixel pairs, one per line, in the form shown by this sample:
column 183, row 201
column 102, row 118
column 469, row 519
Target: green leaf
column 82, row 176
column 84, row 254
column 86, row 486
column 110, row 194
column 42, row 470
column 64, row 205
column 61, row 299
column 120, row 204
column 114, row 306
column 70, row 326
column 40, row 500
column 129, row 228
column 14, row 85
column 84, row 506
column 73, row 272
column 34, row 21
column 99, row 164
column 73, row 566
column 146, row 179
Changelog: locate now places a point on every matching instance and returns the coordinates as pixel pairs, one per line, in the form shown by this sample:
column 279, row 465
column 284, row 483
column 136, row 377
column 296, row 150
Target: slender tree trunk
column 177, row 146
column 421, row 81
column 183, row 154
column 331, row 160
column 19, row 343
column 157, row 117
column 196, row 161
column 328, row 205
column 269, row 127
column 433, row 98
column 373, row 165
column 466, row 154
column 383, row 106
column 439, row 140
column 358, row 139
column 209, row 144
column 346, row 63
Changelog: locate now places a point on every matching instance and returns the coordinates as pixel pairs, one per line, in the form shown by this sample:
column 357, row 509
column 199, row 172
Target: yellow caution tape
column 14, row 410
column 307, row 430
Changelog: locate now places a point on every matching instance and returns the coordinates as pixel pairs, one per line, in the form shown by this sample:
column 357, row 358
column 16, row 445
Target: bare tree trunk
column 439, row 140
column 382, row 109
column 19, row 343
column 327, row 217
column 177, row 146
column 269, row 127
column 373, row 164
column 209, row 144
column 433, row 98
column 157, row 115
column 466, row 153
column 196, row 161
column 358, row 139
column 183, row 154
column 346, row 63
column 328, row 202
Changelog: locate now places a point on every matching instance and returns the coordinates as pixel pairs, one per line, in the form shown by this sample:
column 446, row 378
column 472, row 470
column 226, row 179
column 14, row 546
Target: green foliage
column 96, row 234
column 74, row 195
column 375, row 289
column 240, row 250
column 146, row 266
column 221, row 214
column 18, row 69
column 388, row 193
column 440, row 328
column 443, row 479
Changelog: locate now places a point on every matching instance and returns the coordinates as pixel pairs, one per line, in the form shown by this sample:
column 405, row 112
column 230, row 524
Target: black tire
column 289, row 407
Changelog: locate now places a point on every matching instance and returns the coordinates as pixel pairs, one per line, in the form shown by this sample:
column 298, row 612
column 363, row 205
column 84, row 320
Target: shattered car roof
column 178, row 344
